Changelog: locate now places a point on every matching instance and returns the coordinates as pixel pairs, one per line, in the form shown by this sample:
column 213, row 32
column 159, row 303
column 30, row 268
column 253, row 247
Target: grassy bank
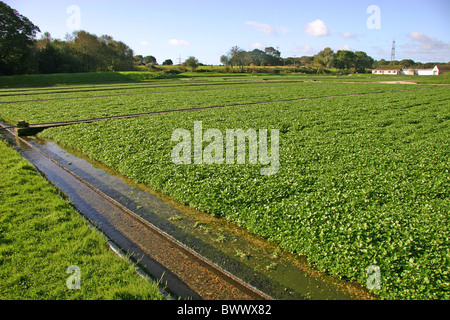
column 59, row 79
column 42, row 80
column 41, row 236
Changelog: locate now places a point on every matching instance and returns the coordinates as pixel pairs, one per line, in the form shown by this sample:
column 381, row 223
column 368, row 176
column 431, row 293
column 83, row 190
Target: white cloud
column 176, row 42
column 382, row 52
column 427, row 43
column 144, row 43
column 305, row 49
column 422, row 47
column 283, row 30
column 345, row 47
column 317, row 28
column 266, row 28
column 257, row 45
column 348, row 35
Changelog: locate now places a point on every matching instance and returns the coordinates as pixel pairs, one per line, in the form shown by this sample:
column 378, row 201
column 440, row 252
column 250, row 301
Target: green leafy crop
column 363, row 180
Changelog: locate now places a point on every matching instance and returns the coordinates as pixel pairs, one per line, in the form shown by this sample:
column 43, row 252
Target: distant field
column 363, row 179
column 76, row 103
column 42, row 80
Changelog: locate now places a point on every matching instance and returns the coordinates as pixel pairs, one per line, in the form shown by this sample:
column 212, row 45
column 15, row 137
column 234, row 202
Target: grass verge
column 39, row 80
column 41, row 236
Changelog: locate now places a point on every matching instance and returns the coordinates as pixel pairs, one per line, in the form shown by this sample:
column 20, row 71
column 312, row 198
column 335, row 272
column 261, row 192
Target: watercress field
column 363, row 179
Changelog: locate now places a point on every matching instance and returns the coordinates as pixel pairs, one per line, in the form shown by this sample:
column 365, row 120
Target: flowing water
column 262, row 264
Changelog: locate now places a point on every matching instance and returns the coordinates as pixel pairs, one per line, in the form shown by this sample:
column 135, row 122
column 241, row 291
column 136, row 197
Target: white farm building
column 440, row 69
column 390, row 70
column 396, row 70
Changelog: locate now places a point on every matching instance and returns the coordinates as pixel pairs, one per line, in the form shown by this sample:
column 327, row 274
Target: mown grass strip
column 41, row 236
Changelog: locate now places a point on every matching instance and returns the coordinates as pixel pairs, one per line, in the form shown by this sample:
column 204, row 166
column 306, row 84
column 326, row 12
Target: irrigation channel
column 192, row 254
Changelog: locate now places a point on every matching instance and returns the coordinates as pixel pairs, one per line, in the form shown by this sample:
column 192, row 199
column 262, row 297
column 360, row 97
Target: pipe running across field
column 26, row 129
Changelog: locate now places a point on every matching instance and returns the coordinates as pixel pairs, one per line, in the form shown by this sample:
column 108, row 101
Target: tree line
column 327, row 58
column 240, row 58
column 81, row 51
column 322, row 62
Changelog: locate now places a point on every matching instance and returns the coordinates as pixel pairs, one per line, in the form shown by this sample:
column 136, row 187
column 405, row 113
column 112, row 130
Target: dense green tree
column 17, row 34
column 407, row 63
column 305, row 60
column 379, row 63
column 119, row 57
column 88, row 49
column 50, row 59
column 100, row 53
column 168, row 62
column 139, row 60
column 344, row 59
column 192, row 63
column 429, row 65
column 272, row 57
column 258, row 57
column 363, row 61
column 240, row 58
column 325, row 58
column 272, row 52
column 225, row 60
column 150, row 60
column 234, row 56
column 230, row 58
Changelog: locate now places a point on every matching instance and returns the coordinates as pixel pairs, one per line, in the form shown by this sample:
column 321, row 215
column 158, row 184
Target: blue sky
column 207, row 29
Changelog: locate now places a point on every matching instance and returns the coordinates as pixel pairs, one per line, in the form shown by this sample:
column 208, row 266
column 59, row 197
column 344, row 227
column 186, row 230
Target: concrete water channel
column 262, row 266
